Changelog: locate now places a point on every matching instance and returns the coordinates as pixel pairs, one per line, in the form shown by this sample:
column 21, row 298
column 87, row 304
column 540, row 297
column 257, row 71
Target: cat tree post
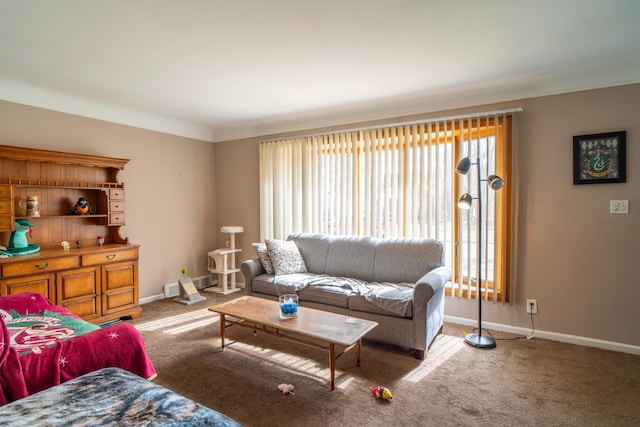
column 223, row 262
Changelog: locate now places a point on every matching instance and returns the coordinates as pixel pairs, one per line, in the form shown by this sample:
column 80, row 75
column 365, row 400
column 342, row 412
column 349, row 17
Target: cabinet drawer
column 6, row 222
column 116, row 206
column 116, row 194
column 5, row 206
column 116, row 219
column 39, row 266
column 5, row 191
column 110, row 256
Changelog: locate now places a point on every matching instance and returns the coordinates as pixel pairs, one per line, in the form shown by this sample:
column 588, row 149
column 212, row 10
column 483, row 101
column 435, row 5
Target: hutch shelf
column 97, row 282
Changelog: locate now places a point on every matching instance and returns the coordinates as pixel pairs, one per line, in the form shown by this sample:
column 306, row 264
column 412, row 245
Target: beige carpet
column 520, row 383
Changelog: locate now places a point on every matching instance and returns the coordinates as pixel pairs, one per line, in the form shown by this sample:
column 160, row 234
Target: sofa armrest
column 428, row 285
column 251, row 268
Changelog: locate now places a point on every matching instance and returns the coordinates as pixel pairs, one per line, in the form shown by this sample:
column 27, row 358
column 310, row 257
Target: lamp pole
column 477, row 340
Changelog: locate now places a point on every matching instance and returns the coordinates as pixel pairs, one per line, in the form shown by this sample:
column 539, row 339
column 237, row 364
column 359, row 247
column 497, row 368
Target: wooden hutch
column 96, row 282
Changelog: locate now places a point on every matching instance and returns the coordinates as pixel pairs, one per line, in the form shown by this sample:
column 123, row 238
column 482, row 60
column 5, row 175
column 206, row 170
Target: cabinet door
column 42, row 283
column 79, row 291
column 119, row 286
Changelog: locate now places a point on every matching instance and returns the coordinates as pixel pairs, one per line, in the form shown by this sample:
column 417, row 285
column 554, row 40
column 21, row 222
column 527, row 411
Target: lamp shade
column 495, row 182
column 465, row 201
column 463, row 166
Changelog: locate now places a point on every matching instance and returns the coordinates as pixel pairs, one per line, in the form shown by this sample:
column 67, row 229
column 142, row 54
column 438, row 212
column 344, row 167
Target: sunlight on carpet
column 207, row 318
column 191, row 326
column 296, row 365
column 442, row 349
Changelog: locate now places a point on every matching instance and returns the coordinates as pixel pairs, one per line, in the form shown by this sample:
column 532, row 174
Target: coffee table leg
column 358, row 353
column 222, row 324
column 332, row 365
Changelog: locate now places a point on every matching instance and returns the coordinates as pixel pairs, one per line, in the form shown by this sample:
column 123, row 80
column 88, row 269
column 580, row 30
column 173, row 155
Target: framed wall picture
column 600, row 158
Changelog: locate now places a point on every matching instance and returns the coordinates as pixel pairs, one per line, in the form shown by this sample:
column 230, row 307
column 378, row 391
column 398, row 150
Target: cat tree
column 223, row 262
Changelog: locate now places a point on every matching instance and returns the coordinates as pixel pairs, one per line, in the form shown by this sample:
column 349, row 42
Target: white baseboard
column 171, row 289
column 553, row 336
column 152, row 298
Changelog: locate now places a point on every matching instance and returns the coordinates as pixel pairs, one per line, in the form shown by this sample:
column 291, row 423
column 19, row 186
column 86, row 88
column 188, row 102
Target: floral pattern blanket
column 43, row 345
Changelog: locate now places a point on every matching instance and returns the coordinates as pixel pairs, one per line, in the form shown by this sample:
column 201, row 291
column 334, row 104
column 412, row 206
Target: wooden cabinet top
column 59, row 252
column 37, row 155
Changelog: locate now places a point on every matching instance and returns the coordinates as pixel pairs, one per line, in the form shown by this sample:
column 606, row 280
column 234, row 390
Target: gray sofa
column 398, row 283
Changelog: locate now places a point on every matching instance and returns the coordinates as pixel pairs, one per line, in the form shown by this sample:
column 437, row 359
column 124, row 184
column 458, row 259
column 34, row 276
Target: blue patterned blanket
column 110, row 397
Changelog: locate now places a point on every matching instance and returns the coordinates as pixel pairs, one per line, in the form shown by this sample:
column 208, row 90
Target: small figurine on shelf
column 65, row 245
column 79, row 244
column 82, row 207
column 100, row 241
column 18, row 244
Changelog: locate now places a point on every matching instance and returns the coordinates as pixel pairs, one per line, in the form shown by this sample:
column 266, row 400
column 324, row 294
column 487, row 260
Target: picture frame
column 600, row 158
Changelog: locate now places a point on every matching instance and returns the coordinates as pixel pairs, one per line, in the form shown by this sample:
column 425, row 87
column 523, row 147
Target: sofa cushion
column 263, row 284
column 263, row 256
column 329, row 295
column 351, row 256
column 406, row 259
column 285, row 257
column 282, row 284
column 387, row 299
column 314, row 249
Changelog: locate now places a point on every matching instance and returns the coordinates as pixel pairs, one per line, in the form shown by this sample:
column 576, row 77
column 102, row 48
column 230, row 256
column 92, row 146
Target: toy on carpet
column 286, row 388
column 381, row 392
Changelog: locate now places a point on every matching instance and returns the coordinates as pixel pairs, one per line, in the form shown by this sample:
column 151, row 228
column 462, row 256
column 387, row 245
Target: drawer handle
column 42, row 265
column 110, row 256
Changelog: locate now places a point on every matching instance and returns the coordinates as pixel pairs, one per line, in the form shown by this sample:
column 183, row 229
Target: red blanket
column 43, row 345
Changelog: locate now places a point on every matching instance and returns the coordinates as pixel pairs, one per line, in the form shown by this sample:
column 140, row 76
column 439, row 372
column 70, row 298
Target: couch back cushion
column 367, row 258
column 351, row 256
column 406, row 259
column 314, row 249
column 340, row 256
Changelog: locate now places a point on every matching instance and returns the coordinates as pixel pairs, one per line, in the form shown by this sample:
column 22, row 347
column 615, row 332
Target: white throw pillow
column 285, row 257
column 263, row 256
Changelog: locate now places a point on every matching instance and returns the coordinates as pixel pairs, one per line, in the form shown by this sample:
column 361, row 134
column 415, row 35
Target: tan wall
column 575, row 258
column 169, row 185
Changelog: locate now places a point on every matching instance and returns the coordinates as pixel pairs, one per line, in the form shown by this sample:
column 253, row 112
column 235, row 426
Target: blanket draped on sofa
column 392, row 297
column 43, row 345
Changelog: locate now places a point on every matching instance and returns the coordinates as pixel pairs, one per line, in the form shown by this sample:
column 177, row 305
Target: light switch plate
column 619, row 207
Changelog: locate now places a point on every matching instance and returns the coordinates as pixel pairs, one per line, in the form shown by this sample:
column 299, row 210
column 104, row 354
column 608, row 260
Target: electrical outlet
column 532, row 306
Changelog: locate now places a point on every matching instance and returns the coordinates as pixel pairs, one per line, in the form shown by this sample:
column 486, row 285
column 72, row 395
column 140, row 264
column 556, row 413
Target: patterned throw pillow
column 285, row 257
column 263, row 256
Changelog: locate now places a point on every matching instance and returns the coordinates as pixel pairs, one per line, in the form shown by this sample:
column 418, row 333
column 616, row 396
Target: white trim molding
column 553, row 336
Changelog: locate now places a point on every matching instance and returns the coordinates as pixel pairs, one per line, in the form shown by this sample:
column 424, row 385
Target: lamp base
column 480, row 341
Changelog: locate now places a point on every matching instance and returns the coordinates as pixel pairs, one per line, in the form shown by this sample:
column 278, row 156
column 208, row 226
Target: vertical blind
column 396, row 181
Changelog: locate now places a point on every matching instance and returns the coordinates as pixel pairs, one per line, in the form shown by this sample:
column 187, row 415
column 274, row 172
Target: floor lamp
column 495, row 183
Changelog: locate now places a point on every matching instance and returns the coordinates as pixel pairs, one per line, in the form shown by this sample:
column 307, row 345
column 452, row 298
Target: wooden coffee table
column 314, row 328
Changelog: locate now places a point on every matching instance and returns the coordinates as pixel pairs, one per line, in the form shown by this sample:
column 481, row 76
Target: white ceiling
column 218, row 70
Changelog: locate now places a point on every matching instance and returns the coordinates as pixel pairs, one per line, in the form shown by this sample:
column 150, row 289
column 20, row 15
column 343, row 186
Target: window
column 397, row 181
